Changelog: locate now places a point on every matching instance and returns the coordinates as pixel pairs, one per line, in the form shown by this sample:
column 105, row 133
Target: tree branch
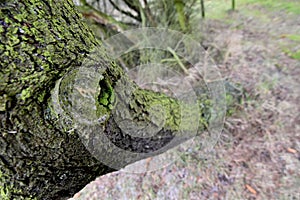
column 102, row 17
column 137, row 18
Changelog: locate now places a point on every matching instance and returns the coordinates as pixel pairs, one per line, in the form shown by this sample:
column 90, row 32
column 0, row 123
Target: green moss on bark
column 40, row 41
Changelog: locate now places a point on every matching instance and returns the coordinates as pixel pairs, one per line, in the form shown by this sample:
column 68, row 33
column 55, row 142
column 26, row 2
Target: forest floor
column 258, row 155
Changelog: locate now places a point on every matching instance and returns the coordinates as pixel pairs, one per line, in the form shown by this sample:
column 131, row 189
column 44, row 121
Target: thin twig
column 178, row 60
column 149, row 14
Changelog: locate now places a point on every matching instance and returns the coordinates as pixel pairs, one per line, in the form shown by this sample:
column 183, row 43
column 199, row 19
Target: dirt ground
column 258, row 155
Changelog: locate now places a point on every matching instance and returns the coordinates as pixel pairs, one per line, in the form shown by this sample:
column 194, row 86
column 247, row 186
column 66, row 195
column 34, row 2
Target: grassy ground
column 258, row 155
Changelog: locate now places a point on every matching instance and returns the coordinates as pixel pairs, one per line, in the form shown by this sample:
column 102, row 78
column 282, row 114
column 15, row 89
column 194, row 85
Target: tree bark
column 40, row 41
column 42, row 155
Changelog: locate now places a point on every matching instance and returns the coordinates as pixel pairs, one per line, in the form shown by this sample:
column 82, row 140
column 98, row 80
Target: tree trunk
column 202, row 9
column 39, row 42
column 42, row 155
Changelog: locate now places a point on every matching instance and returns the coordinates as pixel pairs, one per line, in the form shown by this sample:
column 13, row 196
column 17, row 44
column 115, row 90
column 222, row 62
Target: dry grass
column 258, row 156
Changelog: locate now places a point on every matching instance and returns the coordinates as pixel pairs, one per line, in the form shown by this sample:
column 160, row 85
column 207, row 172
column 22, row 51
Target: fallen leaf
column 251, row 189
column 283, row 36
column 215, row 194
column 292, row 150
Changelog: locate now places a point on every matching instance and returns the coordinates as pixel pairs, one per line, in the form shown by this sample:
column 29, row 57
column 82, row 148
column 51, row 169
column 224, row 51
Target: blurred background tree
column 109, row 17
column 112, row 16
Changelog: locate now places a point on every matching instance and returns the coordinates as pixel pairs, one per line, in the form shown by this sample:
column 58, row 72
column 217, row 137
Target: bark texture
column 40, row 41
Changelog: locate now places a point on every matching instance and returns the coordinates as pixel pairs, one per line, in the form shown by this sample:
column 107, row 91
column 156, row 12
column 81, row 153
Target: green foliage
column 293, row 37
column 296, row 55
column 125, row 14
column 292, row 54
column 289, row 6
